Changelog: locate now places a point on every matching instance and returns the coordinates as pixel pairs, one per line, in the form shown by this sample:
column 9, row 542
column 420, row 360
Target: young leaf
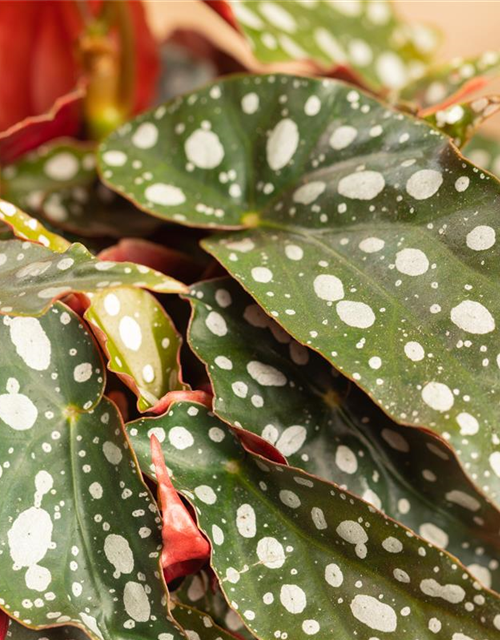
column 365, row 36
column 80, row 533
column 297, row 555
column 444, row 84
column 460, row 121
column 184, row 547
column 140, row 341
column 33, row 276
column 267, row 383
column 363, row 225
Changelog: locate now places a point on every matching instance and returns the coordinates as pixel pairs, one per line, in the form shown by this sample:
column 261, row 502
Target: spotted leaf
column 485, row 152
column 299, row 556
column 28, row 228
column 460, row 121
column 140, row 341
column 363, row 224
column 58, row 182
column 17, row 631
column 198, row 625
column 365, row 36
column 446, row 83
column 266, row 382
column 79, row 531
column 32, row 276
column 202, row 592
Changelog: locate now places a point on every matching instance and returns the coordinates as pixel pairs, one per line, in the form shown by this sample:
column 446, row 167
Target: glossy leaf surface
column 32, row 276
column 79, row 531
column 25, row 227
column 364, row 226
column 297, row 555
column 267, row 383
column 140, row 341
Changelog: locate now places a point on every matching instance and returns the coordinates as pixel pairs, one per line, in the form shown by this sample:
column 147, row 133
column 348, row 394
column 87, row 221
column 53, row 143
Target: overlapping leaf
column 485, row 152
column 28, row 228
column 32, row 275
column 460, row 121
column 198, row 625
column 79, row 532
column 58, row 181
column 198, row 591
column 267, row 383
column 445, row 83
column 140, row 341
column 17, row 631
column 363, row 35
column 298, row 556
column 365, row 226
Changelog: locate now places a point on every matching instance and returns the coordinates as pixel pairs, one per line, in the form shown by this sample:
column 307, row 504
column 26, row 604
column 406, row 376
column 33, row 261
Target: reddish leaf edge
column 58, row 122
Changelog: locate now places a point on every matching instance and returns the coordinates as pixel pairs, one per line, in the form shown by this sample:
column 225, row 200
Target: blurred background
column 468, row 27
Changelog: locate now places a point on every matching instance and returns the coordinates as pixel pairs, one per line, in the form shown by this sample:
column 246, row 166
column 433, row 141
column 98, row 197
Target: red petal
column 184, row 547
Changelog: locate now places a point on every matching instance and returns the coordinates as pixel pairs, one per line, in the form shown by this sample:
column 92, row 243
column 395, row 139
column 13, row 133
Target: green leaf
column 365, row 227
column 365, row 36
column 33, row 276
column 59, row 182
column 79, row 530
column 269, row 384
column 485, row 152
column 28, row 228
column 447, row 82
column 58, row 165
column 198, row 591
column 299, row 556
column 140, row 341
column 198, row 625
column 460, row 121
column 17, row 631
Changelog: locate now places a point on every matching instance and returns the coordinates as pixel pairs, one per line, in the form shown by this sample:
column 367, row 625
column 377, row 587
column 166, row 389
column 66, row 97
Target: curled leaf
column 185, row 549
column 140, row 341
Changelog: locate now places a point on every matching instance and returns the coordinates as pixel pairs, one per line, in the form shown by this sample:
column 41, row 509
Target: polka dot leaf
column 80, row 534
column 266, row 382
column 17, row 631
column 448, row 81
column 58, row 182
column 485, row 152
column 297, row 556
column 198, row 591
column 28, row 228
column 198, row 625
column 140, row 341
column 32, row 276
column 460, row 121
column 364, row 36
column 362, row 224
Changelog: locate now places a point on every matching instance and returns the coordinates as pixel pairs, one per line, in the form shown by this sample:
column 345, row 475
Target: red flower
column 40, row 67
